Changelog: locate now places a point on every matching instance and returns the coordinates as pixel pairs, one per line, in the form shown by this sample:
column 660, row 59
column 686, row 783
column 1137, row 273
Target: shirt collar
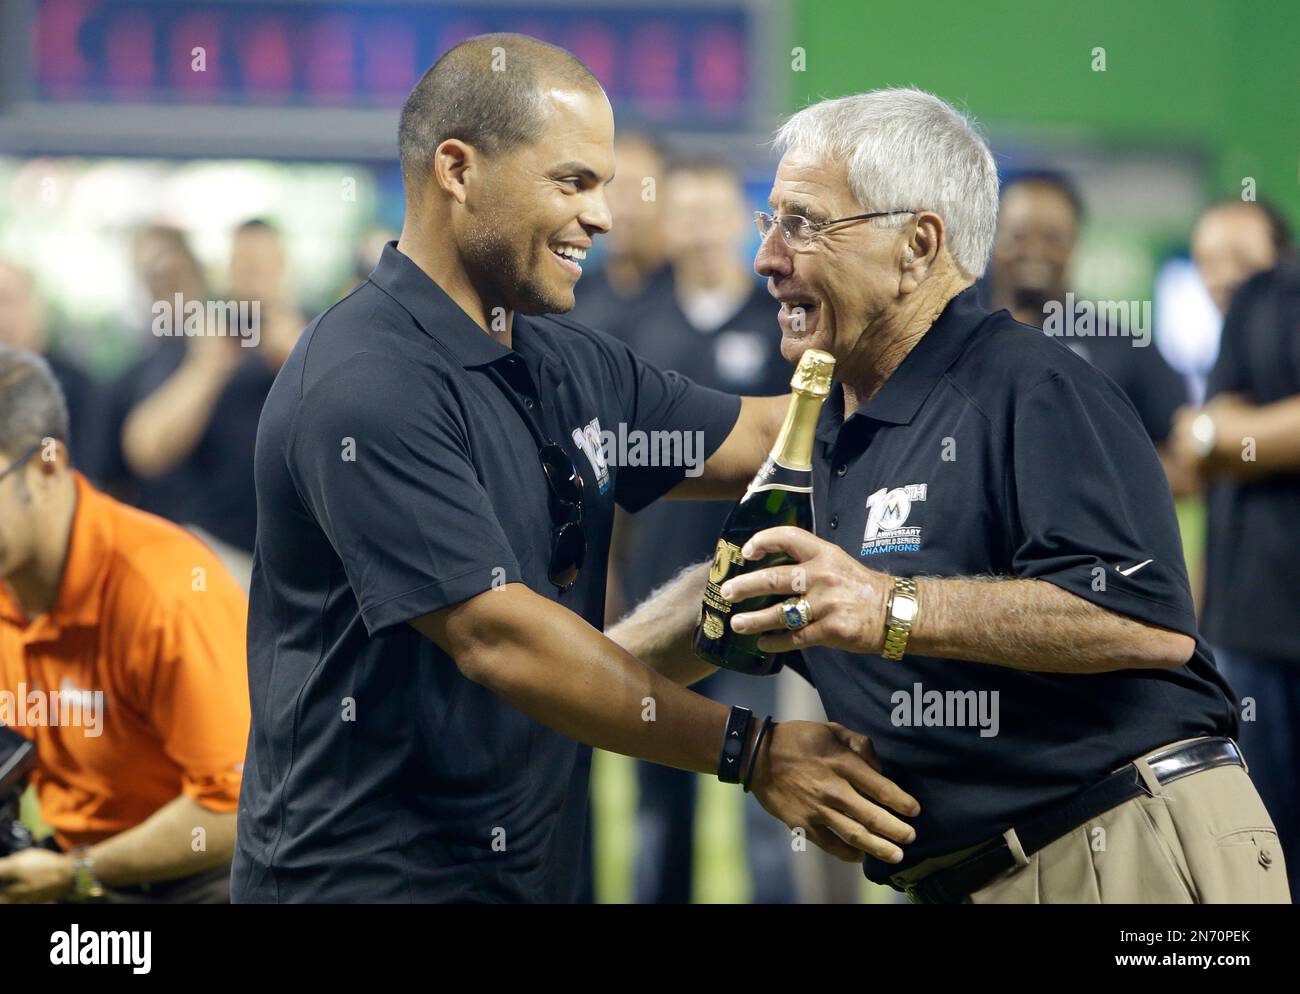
column 81, row 589
column 901, row 396
column 443, row 320
column 435, row 312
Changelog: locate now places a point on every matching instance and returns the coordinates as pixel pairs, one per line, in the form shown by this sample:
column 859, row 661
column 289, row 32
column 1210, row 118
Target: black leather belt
column 953, row 884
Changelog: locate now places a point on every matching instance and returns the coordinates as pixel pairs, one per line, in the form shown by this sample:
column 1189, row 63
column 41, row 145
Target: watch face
column 904, row 608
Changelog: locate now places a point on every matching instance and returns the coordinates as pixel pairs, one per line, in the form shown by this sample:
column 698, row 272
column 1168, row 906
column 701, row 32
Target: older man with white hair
column 995, row 592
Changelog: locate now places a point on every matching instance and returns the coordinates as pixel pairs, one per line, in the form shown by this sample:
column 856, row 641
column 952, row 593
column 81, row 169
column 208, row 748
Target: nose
column 595, row 213
column 774, row 257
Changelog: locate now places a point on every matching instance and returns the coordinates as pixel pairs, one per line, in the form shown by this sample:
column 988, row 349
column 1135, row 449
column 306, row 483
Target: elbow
column 140, row 455
column 481, row 662
column 491, row 660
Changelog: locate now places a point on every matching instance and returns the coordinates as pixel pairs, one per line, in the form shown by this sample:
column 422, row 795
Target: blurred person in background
column 122, row 658
column 1235, row 239
column 1245, row 442
column 188, row 409
column 259, row 272
column 1039, row 218
column 715, row 323
column 370, row 246
column 22, row 325
column 634, row 249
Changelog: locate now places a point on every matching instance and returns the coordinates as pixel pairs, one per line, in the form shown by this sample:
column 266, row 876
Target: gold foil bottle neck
column 813, row 374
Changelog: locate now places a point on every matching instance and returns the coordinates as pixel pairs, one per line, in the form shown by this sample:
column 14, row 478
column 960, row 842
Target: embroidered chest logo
column 588, row 439
column 887, row 529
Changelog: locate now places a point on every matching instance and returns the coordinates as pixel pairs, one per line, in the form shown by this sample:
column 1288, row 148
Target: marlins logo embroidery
column 887, row 529
column 587, row 439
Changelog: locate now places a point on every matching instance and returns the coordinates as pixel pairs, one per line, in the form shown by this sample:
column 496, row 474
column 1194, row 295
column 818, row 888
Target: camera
column 17, row 757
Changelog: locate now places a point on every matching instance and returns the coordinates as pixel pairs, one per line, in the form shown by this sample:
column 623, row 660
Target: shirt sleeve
column 1092, row 512
column 195, row 690
column 666, row 401
column 381, row 456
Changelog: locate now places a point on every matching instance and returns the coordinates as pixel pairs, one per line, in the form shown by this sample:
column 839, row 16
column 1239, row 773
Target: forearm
column 553, row 666
column 1259, row 440
column 165, row 427
column 163, row 846
column 660, row 631
column 1035, row 625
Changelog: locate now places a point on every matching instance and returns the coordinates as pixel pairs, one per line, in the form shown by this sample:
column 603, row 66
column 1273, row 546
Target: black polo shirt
column 1251, row 601
column 1144, row 375
column 395, row 477
column 994, row 450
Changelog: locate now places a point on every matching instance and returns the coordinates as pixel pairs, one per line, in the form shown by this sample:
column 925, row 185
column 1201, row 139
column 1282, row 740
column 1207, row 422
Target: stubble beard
column 495, row 263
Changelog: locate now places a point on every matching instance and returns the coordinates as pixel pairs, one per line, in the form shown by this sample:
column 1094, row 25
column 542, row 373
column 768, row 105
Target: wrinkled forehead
column 810, row 184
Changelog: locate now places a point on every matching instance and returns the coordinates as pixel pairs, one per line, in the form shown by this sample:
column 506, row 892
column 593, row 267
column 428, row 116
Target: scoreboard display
column 679, row 64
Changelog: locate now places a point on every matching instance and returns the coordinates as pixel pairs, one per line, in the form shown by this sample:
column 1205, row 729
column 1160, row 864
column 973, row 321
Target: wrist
column 67, row 875
column 83, row 884
column 878, row 615
column 902, row 608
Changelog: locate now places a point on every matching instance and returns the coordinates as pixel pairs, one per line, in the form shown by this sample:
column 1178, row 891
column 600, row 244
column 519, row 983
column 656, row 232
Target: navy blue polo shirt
column 995, row 451
column 395, row 477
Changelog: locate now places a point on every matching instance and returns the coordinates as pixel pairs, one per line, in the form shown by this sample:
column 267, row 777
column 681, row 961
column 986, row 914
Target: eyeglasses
column 568, row 540
column 798, row 231
column 21, row 461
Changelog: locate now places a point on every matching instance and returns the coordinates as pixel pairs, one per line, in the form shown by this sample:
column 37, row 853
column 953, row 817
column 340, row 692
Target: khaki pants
column 1203, row 839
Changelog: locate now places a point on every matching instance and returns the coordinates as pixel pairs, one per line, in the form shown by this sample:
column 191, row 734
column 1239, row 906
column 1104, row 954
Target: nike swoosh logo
column 1132, row 569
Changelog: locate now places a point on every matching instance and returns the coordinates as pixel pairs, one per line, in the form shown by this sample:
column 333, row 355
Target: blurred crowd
column 174, row 435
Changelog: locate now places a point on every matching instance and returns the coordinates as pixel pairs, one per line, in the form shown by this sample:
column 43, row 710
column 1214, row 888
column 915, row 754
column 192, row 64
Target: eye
column 573, row 182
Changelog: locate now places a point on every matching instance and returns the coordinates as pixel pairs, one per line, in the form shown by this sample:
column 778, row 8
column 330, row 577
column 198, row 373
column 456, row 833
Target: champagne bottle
column 780, row 494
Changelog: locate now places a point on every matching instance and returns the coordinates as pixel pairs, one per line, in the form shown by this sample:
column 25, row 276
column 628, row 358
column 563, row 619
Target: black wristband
column 753, row 756
column 734, row 741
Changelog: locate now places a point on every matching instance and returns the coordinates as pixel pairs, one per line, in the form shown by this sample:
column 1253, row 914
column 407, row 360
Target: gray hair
column 906, row 148
column 32, row 407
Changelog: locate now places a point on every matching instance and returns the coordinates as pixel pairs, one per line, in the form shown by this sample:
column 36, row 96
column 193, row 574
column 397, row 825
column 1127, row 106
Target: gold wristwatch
column 904, row 603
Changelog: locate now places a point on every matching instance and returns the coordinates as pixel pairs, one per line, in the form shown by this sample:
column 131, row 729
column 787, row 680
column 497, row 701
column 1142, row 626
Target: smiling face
column 532, row 213
column 832, row 292
column 1230, row 244
column 1036, row 235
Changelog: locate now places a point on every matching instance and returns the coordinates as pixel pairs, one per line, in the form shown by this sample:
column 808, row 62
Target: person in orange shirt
column 122, row 657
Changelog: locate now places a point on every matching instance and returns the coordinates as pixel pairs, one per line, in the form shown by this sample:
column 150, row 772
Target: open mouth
column 797, row 316
column 571, row 257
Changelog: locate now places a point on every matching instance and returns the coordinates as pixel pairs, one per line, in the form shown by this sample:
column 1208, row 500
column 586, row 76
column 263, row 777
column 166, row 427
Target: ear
column 452, row 160
column 52, row 458
column 920, row 250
